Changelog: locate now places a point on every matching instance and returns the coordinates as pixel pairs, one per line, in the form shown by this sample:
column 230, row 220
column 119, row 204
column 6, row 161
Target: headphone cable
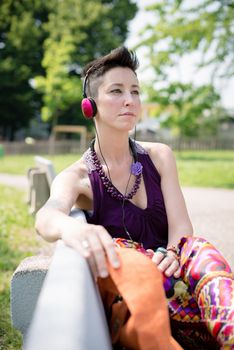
column 126, row 188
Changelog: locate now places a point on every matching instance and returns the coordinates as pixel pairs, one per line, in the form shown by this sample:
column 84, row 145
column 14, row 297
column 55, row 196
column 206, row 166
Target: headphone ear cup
column 89, row 107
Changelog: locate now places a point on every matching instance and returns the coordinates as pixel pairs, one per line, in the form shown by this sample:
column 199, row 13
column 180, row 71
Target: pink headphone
column 88, row 105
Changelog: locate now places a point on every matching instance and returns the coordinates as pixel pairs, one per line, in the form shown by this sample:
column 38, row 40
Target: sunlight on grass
column 196, row 168
column 19, row 164
column 206, row 169
column 17, row 240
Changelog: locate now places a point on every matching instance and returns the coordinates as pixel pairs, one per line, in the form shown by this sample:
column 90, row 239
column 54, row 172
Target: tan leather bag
column 140, row 320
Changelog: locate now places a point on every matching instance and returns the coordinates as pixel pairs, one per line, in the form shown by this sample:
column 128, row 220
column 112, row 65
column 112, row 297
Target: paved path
column 17, row 181
column 211, row 212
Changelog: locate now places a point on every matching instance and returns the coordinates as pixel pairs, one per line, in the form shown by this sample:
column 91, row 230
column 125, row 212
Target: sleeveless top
column 148, row 226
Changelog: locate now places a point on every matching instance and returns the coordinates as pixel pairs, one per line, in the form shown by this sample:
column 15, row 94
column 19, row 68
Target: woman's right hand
column 95, row 244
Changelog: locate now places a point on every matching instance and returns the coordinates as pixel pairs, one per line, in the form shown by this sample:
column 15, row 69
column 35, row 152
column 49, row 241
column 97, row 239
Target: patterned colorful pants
column 201, row 301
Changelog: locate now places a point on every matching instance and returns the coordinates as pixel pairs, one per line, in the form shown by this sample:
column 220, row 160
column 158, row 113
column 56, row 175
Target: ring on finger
column 161, row 250
column 85, row 244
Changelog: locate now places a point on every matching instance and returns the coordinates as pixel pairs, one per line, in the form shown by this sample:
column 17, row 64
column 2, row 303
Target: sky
column 188, row 73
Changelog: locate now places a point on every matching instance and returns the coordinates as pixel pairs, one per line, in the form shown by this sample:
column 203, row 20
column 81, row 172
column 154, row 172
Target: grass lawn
column 206, row 168
column 17, row 240
column 19, row 164
column 196, row 168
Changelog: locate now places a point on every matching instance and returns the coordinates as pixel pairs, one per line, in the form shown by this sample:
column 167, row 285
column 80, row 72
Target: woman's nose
column 128, row 98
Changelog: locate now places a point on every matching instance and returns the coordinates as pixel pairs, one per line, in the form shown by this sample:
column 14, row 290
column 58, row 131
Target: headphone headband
column 85, row 81
column 84, row 86
column 88, row 105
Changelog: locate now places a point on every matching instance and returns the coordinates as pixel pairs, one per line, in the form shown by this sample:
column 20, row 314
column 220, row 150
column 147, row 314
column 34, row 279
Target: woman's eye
column 116, row 91
column 135, row 92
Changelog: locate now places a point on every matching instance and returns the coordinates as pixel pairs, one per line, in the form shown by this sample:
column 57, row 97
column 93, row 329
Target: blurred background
column 186, row 53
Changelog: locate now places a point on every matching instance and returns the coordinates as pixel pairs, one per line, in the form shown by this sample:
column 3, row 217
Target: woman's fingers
column 85, row 247
column 81, row 246
column 173, row 269
column 97, row 246
column 98, row 256
column 110, row 249
column 93, row 266
column 158, row 257
column 167, row 264
column 89, row 245
column 177, row 273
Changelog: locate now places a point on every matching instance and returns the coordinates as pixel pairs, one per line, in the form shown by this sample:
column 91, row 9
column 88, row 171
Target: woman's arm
column 53, row 217
column 179, row 223
column 53, row 222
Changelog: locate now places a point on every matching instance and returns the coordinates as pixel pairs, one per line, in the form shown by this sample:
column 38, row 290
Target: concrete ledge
column 55, row 302
column 69, row 313
column 26, row 285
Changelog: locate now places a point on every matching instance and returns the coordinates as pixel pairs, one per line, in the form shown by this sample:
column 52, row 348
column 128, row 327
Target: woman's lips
column 128, row 114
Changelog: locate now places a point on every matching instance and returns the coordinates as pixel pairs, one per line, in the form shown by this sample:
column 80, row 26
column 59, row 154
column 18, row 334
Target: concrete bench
column 40, row 178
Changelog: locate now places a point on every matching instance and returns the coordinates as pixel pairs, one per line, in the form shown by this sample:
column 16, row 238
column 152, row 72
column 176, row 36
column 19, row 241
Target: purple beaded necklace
column 136, row 170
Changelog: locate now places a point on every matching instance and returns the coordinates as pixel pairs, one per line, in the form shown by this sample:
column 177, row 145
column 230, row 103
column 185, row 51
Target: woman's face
column 118, row 101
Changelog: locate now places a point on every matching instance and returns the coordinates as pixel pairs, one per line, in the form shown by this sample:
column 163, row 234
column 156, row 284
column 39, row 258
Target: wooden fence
column 200, row 144
column 74, row 146
column 43, row 147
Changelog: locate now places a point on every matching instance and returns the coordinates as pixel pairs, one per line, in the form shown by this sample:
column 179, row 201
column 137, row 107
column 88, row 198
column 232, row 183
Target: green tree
column 79, row 31
column 58, row 87
column 183, row 26
column 52, row 40
column 180, row 28
column 188, row 110
column 21, row 36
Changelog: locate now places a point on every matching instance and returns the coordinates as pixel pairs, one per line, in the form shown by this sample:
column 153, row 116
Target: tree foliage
column 79, row 31
column 188, row 110
column 182, row 27
column 20, row 55
column 43, row 45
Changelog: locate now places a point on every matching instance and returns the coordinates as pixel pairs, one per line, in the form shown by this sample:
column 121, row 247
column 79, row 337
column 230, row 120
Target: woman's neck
column 115, row 148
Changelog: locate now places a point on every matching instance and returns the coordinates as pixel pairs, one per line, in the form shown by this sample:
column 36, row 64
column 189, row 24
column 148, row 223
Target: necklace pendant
column 136, row 168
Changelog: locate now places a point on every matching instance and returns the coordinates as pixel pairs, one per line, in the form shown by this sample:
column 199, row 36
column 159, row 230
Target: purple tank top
column 148, row 226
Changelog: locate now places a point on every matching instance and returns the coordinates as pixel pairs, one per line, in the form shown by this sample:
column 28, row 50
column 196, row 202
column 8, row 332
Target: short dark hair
column 119, row 57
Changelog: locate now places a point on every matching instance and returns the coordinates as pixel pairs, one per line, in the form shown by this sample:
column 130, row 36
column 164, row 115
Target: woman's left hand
column 168, row 263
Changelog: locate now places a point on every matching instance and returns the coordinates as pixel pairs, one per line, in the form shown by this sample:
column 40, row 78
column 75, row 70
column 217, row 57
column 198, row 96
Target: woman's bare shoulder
column 156, row 149
column 160, row 153
column 73, row 175
column 79, row 167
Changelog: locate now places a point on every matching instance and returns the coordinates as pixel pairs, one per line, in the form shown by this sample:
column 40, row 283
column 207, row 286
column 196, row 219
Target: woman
column 130, row 193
